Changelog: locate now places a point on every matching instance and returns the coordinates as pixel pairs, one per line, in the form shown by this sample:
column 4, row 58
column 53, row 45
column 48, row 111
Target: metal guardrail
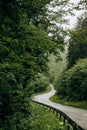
column 64, row 117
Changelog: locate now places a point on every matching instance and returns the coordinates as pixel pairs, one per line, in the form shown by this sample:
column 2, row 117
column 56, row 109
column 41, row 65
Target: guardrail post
column 68, row 127
column 56, row 113
column 71, row 126
column 60, row 115
column 53, row 110
column 75, row 127
column 64, row 120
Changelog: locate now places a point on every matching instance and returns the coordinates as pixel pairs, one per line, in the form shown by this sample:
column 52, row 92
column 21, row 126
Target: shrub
column 73, row 82
column 40, row 84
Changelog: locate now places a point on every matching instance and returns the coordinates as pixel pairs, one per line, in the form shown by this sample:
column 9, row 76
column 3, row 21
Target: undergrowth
column 43, row 119
column 78, row 104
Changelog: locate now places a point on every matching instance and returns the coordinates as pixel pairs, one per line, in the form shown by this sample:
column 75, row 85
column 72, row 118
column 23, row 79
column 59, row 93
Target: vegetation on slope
column 64, row 101
column 24, row 51
column 43, row 119
column 72, row 83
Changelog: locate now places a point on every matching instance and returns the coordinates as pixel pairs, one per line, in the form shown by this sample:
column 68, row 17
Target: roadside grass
column 78, row 104
column 44, row 119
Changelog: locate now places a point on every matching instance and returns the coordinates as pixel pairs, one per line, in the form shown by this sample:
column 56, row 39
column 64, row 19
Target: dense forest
column 24, row 51
column 25, row 47
column 74, row 78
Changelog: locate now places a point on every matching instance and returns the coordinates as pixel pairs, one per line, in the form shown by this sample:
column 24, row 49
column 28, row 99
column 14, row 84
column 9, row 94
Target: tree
column 23, row 54
column 24, row 51
column 74, row 81
column 78, row 43
column 82, row 21
column 40, row 84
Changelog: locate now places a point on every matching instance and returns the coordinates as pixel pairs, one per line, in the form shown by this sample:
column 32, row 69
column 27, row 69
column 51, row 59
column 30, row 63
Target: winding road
column 77, row 115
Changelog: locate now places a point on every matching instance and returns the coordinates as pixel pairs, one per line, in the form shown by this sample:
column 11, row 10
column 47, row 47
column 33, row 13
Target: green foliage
column 78, row 42
column 77, row 46
column 14, row 106
column 78, row 104
column 40, row 84
column 73, row 83
column 57, row 66
column 24, row 52
column 43, row 118
column 36, row 12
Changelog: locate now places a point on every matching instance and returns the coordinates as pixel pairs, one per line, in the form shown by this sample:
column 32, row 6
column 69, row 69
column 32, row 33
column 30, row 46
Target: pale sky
column 73, row 19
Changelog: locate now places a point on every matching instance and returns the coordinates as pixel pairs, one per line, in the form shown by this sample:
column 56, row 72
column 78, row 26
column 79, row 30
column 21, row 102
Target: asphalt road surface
column 77, row 115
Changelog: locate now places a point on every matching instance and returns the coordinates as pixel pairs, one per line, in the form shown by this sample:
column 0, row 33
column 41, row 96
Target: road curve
column 77, row 115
